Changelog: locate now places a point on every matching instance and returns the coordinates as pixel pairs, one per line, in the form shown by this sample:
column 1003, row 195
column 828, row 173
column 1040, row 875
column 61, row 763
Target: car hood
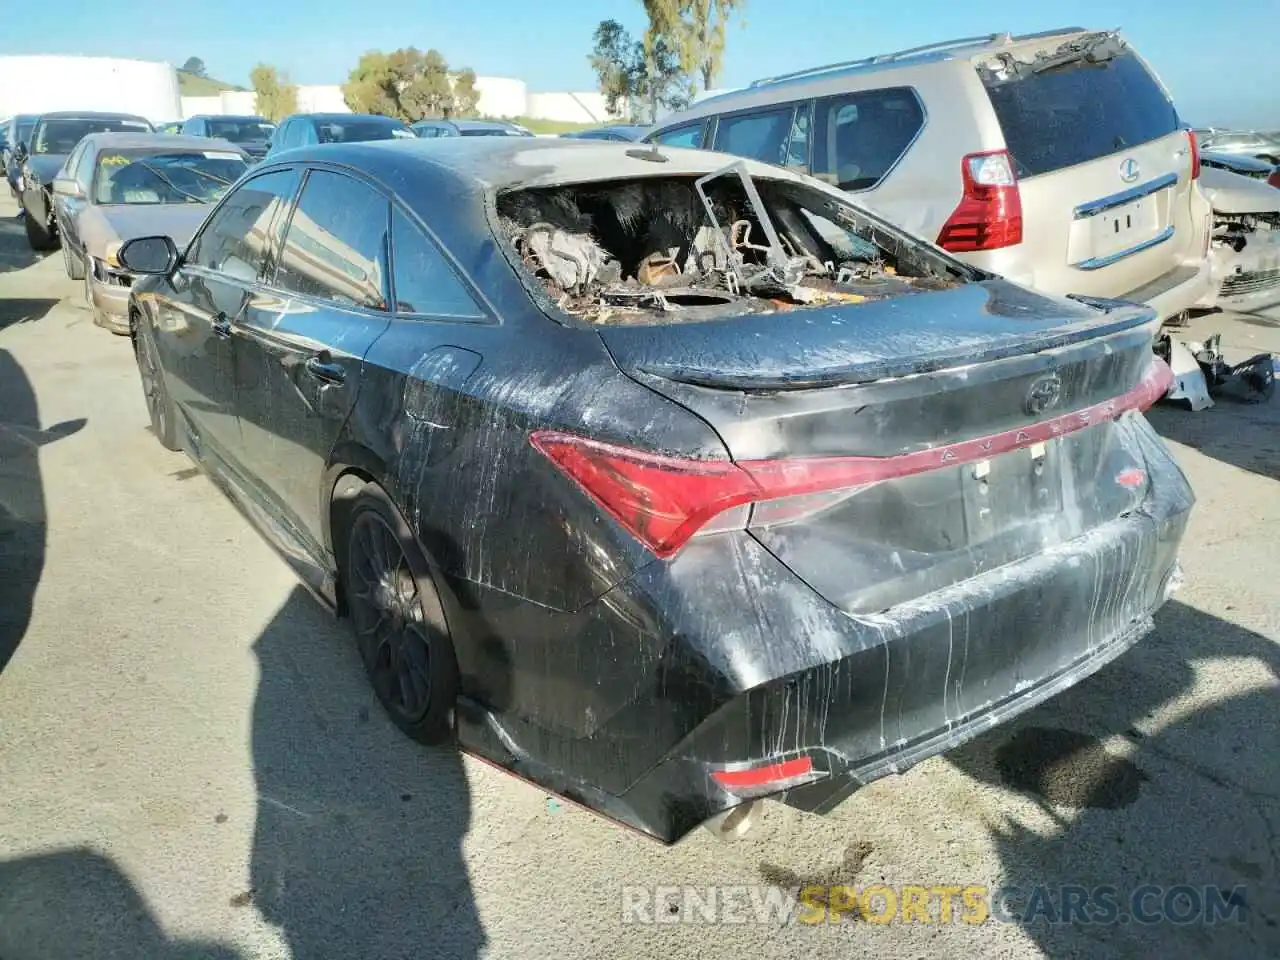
column 1232, row 193
column 46, row 165
column 102, row 224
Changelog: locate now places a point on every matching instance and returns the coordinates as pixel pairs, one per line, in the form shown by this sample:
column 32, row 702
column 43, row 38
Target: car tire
column 73, row 264
column 39, row 237
column 164, row 416
column 398, row 619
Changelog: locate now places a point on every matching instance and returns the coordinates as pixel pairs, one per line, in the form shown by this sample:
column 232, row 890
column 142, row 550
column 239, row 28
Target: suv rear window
column 1078, row 111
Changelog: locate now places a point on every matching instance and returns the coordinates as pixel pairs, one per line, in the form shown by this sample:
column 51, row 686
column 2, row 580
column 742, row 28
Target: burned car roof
column 511, row 162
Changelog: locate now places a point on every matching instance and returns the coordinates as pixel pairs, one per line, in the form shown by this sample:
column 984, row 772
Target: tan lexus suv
column 1054, row 159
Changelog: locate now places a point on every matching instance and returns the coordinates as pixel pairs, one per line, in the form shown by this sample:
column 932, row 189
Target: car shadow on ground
column 22, row 507
column 73, row 904
column 357, row 850
column 1193, row 799
column 1244, row 435
column 15, row 310
column 15, row 252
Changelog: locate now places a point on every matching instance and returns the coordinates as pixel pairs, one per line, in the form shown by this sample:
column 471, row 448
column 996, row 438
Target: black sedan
column 665, row 480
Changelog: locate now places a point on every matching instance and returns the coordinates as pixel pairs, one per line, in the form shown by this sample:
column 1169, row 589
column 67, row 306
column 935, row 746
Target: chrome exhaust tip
column 736, row 823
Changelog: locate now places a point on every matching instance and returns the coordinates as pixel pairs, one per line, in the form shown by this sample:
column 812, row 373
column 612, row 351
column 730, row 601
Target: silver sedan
column 117, row 186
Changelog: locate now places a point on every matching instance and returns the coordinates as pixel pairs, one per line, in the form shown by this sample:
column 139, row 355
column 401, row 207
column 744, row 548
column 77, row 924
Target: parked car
column 252, row 134
column 1237, row 163
column 1245, row 166
column 618, row 131
column 440, row 127
column 1243, row 143
column 116, row 186
column 668, row 483
column 1056, row 159
column 53, row 137
column 303, row 129
column 17, row 130
column 1245, row 252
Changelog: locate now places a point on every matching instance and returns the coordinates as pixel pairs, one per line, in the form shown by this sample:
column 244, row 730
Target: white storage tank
column 42, row 84
column 502, row 97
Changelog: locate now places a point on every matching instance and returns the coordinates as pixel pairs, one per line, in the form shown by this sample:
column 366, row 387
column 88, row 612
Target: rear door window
column 760, row 135
column 425, row 284
column 686, row 136
column 859, row 137
column 1059, row 116
column 336, row 245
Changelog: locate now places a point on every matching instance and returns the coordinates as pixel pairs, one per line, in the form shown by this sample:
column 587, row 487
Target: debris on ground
column 1201, row 372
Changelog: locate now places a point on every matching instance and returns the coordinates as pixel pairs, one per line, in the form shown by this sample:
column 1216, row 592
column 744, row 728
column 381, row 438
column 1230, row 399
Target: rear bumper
column 1247, row 281
column 733, row 663
column 1178, row 290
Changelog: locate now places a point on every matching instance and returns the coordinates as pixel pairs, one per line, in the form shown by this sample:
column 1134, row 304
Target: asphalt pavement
column 192, row 764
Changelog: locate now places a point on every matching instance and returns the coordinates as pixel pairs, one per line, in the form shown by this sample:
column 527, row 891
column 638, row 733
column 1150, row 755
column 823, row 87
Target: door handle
column 221, row 326
column 324, row 369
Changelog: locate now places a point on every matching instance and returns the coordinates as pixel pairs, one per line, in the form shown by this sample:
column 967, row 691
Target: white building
column 41, row 84
column 312, row 98
column 499, row 97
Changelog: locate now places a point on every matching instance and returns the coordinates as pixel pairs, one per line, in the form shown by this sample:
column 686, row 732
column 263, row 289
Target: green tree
column 613, row 60
column 194, row 66
column 635, row 75
column 276, row 96
column 370, row 87
column 694, row 30
column 466, row 98
column 410, row 84
column 704, row 36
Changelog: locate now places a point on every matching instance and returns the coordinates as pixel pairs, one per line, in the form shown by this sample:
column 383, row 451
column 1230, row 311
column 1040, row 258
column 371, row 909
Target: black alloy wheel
column 159, row 404
column 398, row 621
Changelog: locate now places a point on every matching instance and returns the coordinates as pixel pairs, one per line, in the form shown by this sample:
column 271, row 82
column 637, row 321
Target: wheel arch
column 351, row 467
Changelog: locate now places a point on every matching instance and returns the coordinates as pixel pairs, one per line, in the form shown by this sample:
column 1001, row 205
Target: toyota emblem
column 1044, row 394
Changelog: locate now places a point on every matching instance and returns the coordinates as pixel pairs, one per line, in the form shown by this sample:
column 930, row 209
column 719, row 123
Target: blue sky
column 1222, row 69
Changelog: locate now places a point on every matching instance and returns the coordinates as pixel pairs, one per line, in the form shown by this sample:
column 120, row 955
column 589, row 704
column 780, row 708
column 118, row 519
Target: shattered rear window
column 1086, row 100
column 671, row 249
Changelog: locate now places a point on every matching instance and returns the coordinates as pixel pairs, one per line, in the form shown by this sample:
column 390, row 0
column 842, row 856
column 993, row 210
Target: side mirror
column 149, row 256
column 66, row 187
column 20, row 152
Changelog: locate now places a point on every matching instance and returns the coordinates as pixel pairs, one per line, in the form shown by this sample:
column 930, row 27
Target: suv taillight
column 1274, row 179
column 989, row 215
column 1195, row 155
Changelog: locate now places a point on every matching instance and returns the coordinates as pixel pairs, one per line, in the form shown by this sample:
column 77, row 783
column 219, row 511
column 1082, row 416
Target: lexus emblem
column 1044, row 394
column 1129, row 170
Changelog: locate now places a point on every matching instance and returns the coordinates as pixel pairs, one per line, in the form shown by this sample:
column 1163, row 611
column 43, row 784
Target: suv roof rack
column 916, row 51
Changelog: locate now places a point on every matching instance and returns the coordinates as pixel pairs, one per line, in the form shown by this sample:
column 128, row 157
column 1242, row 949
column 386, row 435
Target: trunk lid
column 996, row 402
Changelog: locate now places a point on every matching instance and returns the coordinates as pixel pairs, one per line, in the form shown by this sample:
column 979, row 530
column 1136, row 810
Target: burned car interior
column 676, row 249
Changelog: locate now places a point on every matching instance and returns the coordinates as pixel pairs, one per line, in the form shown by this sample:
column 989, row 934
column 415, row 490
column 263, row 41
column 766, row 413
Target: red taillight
column 771, row 776
column 1274, row 179
column 663, row 501
column 1195, row 155
column 990, row 212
